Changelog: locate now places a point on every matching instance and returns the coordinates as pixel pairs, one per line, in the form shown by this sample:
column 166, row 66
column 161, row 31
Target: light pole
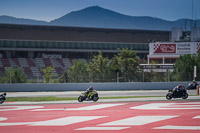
column 195, row 72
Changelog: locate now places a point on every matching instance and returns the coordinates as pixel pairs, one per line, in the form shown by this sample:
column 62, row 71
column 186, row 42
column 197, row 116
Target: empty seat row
column 32, row 66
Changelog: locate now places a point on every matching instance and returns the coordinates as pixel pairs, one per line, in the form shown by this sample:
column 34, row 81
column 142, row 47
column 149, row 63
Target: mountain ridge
column 98, row 17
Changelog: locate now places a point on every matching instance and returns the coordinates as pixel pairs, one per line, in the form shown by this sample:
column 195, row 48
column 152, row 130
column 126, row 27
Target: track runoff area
column 116, row 117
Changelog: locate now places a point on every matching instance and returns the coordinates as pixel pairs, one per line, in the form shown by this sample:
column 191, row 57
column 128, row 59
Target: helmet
column 179, row 86
column 91, row 88
column 4, row 94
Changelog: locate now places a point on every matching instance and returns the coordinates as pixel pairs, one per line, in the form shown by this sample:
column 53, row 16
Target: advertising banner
column 51, row 55
column 184, row 48
column 165, row 48
column 176, row 48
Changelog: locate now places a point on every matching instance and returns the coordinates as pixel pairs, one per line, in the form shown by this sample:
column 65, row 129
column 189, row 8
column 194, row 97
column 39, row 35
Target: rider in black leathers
column 3, row 97
column 192, row 85
column 4, row 94
column 178, row 88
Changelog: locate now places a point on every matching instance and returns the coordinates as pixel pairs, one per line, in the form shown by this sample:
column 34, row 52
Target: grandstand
column 34, row 47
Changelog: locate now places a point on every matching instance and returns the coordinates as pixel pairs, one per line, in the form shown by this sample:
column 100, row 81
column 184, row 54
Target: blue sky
column 48, row 10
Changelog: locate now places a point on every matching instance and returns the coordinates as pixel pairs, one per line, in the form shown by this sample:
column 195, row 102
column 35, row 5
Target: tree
column 77, row 72
column 1, row 79
column 198, row 66
column 48, row 74
column 14, row 75
column 184, row 67
column 98, row 67
column 128, row 64
column 115, row 67
column 155, row 76
column 64, row 77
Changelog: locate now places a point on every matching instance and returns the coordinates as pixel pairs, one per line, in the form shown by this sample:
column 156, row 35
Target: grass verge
column 38, row 99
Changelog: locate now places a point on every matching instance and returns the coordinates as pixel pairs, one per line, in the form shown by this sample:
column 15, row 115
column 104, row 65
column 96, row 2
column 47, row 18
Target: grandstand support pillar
column 163, row 60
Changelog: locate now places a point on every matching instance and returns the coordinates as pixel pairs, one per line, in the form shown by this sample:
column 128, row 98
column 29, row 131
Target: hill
column 13, row 20
column 99, row 17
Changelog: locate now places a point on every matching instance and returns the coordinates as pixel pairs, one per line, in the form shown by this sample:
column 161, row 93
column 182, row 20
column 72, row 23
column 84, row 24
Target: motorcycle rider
column 193, row 85
column 3, row 96
column 89, row 92
column 177, row 88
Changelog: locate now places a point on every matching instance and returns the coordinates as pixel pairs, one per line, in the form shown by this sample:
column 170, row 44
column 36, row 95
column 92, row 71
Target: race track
column 120, row 117
column 101, row 93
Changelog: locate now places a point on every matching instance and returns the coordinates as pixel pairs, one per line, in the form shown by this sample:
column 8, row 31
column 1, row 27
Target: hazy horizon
column 48, row 10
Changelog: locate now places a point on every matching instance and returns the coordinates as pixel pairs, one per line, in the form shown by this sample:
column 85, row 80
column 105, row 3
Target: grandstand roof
column 61, row 33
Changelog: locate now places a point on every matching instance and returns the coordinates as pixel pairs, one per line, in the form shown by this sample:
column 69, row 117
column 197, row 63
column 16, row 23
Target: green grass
column 120, row 97
column 37, row 99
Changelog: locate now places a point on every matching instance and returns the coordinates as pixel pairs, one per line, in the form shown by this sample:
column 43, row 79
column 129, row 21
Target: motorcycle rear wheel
column 169, row 96
column 80, row 99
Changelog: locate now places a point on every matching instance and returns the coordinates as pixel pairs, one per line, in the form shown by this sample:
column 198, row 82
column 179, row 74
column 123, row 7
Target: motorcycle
column 192, row 86
column 83, row 97
column 179, row 93
column 2, row 98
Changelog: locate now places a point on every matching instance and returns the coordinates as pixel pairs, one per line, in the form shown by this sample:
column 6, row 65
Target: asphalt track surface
column 101, row 93
column 112, row 117
column 138, row 115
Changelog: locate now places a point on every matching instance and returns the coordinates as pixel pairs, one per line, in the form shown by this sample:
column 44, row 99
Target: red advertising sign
column 164, row 48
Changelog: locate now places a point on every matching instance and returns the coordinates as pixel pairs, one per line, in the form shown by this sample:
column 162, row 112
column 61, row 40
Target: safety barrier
column 29, row 87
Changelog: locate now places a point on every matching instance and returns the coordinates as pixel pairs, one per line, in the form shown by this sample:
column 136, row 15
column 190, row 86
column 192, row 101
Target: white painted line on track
column 196, row 117
column 55, row 122
column 11, row 108
column 179, row 127
column 138, row 120
column 102, row 128
column 94, row 107
column 15, row 123
column 161, row 106
column 190, row 103
column 66, row 121
column 3, row 118
column 48, row 109
column 152, row 106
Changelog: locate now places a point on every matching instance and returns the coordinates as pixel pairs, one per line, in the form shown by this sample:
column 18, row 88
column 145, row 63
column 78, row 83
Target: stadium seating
column 22, row 62
column 35, row 71
column 30, row 62
column 5, row 62
column 32, row 66
column 27, row 71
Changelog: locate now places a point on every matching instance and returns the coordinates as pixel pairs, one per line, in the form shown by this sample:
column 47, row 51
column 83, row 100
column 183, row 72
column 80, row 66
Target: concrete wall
column 83, row 86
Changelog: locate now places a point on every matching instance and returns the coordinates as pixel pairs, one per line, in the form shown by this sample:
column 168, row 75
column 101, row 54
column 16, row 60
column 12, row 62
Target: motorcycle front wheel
column 169, row 96
column 95, row 99
column 185, row 96
column 2, row 101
